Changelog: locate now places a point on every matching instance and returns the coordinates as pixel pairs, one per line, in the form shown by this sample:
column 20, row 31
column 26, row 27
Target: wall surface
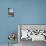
column 27, row 12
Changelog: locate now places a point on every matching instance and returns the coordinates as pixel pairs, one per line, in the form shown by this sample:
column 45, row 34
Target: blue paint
column 27, row 12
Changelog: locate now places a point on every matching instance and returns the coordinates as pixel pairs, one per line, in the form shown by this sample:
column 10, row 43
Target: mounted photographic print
column 10, row 12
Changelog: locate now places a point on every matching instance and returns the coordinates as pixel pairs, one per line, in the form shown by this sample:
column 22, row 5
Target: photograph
column 22, row 22
column 10, row 12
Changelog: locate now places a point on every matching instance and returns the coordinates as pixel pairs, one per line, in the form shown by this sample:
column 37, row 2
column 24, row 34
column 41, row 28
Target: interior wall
column 27, row 12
